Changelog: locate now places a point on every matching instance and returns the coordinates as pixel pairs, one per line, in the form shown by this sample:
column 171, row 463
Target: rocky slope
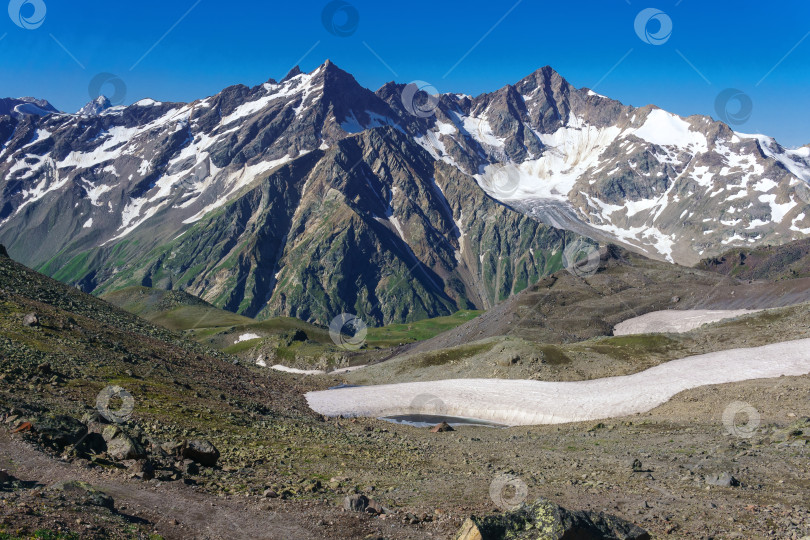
column 565, row 308
column 285, row 473
column 787, row 261
column 673, row 188
column 314, row 196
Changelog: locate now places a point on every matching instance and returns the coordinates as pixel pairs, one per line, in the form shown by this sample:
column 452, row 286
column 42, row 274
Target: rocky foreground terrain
column 114, row 427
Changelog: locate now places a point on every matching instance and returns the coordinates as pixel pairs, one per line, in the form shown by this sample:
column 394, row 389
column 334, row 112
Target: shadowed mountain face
column 314, row 196
column 787, row 261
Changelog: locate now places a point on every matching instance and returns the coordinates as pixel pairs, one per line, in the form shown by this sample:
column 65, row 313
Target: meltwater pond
column 430, row 420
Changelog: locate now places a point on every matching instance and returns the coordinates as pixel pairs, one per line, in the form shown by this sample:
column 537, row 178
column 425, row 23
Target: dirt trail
column 180, row 511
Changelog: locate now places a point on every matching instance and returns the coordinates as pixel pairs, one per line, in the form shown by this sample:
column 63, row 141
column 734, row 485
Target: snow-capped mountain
column 25, row 106
column 313, row 195
column 95, row 107
column 673, row 188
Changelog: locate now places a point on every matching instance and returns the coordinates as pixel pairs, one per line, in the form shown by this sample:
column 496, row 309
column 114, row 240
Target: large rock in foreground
column 202, row 452
column 544, row 520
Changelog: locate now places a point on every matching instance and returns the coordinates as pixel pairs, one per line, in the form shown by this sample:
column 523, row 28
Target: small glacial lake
column 430, row 420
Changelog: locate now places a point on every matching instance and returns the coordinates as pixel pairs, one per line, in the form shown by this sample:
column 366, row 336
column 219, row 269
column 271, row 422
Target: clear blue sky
column 732, row 44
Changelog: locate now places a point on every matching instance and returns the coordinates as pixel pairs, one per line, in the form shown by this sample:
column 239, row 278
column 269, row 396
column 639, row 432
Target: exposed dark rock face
column 314, row 196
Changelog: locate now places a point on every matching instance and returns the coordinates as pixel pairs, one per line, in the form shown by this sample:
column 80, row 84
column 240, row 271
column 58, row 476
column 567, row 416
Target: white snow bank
column 675, row 320
column 246, row 337
column 667, row 129
column 279, row 367
column 522, row 402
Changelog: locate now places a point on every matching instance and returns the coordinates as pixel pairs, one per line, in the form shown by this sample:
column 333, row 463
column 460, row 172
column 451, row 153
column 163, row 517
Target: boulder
column 361, row 503
column 724, row 479
column 355, row 503
column 143, row 469
column 441, row 428
column 544, row 520
column 121, row 446
column 203, row 452
column 375, row 507
column 95, row 423
column 31, row 319
column 84, row 494
column 109, row 432
column 5, row 476
column 59, row 431
column 189, row 466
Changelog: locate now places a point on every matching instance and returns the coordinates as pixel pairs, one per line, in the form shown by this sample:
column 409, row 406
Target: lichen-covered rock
column 544, row 520
column 203, row 452
column 84, row 493
column 121, row 446
column 59, row 431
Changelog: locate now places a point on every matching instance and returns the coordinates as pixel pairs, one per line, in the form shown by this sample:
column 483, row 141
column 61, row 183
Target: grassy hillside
column 176, row 310
column 284, row 340
column 513, row 357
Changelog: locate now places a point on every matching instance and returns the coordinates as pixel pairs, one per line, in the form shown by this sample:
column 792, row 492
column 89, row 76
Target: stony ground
column 431, row 481
column 284, row 472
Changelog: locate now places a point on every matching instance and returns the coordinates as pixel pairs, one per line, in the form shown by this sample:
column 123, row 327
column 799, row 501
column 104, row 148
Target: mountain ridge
column 125, row 188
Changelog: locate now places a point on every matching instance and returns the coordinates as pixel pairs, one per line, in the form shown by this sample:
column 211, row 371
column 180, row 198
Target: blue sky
column 742, row 45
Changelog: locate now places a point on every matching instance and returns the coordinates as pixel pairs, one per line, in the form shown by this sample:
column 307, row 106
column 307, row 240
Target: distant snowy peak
column 25, row 106
column 670, row 187
column 95, row 107
column 673, row 188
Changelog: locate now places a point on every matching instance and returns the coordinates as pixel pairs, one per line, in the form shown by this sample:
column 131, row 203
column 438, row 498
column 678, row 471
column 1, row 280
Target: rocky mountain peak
column 295, row 71
column 95, row 107
column 398, row 184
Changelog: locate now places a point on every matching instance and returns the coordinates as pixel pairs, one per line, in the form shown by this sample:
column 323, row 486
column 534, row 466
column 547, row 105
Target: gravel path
column 675, row 320
column 524, row 402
